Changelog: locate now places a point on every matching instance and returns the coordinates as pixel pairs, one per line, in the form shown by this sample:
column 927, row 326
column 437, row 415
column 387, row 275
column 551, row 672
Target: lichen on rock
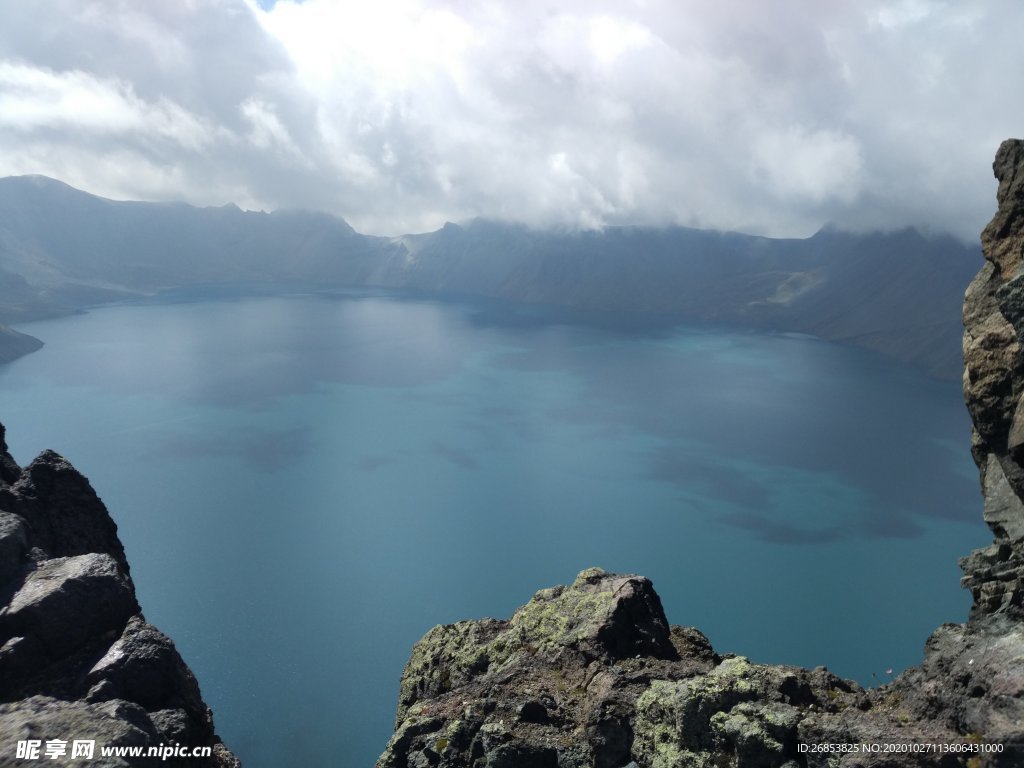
column 591, row 674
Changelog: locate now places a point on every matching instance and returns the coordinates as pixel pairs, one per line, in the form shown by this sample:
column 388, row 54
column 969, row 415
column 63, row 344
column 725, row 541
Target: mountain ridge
column 62, row 249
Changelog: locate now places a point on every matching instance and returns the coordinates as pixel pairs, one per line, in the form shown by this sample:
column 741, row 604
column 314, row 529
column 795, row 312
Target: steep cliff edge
column 592, row 674
column 78, row 661
column 994, row 390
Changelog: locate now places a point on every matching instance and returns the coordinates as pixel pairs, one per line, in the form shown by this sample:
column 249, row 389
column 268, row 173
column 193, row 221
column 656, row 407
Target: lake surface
column 306, row 483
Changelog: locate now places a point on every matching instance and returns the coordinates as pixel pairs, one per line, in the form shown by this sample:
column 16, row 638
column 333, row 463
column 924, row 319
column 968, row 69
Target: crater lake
column 305, row 483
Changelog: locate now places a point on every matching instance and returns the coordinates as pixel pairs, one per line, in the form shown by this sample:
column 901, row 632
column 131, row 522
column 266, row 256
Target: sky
column 771, row 118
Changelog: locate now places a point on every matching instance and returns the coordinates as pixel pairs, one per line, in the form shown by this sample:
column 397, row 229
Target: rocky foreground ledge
column 77, row 658
column 592, row 674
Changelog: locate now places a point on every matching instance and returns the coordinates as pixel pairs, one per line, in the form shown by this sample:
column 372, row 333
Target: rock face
column 77, row 658
column 994, row 389
column 592, row 674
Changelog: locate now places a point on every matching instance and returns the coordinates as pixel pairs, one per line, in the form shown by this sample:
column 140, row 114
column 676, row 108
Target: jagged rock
column 1003, row 511
column 599, row 617
column 589, row 675
column 62, row 509
column 994, row 389
column 1001, row 238
column 991, row 361
column 971, row 680
column 143, row 666
column 617, row 687
column 76, row 656
column 545, row 701
column 112, row 723
column 736, row 708
column 13, row 546
column 64, row 602
column 9, row 469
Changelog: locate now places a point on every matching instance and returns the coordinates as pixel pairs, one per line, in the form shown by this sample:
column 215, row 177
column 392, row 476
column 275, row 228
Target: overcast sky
column 766, row 117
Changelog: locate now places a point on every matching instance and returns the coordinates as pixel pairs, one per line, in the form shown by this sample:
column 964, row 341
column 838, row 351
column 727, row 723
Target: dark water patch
column 782, row 531
column 457, row 457
column 373, row 463
column 679, row 466
column 266, row 450
column 780, row 503
column 744, row 398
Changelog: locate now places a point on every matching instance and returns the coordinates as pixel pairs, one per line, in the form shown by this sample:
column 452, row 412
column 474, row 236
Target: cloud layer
column 771, row 118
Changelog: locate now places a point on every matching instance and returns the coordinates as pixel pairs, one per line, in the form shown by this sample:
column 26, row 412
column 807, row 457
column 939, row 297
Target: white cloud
column 400, row 114
column 802, row 165
column 611, row 38
column 267, row 132
column 33, row 98
column 903, row 13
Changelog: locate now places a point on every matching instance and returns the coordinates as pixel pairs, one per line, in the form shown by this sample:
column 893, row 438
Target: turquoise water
column 307, row 483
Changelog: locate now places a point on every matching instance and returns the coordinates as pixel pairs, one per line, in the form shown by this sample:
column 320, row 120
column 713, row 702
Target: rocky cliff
column 77, row 658
column 592, row 674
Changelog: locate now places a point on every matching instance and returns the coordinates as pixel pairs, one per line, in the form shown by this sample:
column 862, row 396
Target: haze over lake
column 306, row 483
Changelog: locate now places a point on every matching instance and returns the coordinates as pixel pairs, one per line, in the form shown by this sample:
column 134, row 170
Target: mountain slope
column 13, row 344
column 897, row 293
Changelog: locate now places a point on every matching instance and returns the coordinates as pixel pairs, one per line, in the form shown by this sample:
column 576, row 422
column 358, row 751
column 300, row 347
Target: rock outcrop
column 593, row 675
column 77, row 658
column 994, row 390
